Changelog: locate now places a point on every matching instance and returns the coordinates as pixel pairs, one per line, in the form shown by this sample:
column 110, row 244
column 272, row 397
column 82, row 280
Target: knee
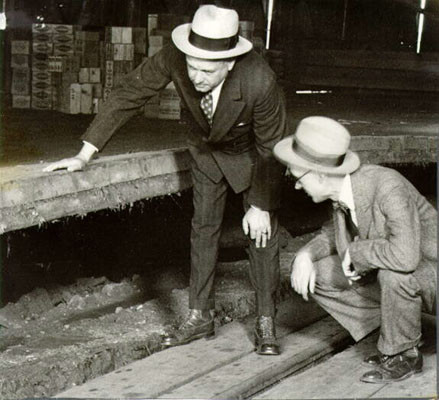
column 391, row 281
column 329, row 274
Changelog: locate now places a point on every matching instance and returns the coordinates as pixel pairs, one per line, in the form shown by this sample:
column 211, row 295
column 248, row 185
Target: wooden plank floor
column 225, row 367
column 338, row 378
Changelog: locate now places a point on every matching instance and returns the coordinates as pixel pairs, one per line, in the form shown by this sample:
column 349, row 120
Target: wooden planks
column 186, row 369
column 338, row 378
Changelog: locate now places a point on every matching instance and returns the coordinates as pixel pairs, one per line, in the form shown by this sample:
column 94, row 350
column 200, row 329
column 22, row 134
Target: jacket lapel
column 192, row 99
column 228, row 109
column 361, row 193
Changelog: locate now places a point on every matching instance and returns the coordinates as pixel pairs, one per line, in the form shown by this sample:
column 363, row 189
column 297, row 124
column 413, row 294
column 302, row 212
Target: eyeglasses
column 296, row 180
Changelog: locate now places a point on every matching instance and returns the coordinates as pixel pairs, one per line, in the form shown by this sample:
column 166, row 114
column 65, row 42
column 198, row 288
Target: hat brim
column 284, row 152
column 180, row 37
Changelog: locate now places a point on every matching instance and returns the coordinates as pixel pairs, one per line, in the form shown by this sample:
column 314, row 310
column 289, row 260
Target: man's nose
column 298, row 186
column 197, row 77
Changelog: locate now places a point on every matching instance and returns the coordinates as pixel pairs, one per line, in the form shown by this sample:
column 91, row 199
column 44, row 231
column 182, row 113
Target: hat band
column 210, row 44
column 307, row 154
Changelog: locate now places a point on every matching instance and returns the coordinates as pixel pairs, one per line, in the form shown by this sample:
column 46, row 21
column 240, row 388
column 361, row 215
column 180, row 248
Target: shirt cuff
column 87, row 151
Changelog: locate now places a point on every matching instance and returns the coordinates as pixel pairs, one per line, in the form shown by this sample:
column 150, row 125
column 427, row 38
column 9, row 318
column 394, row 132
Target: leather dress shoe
column 380, row 358
column 199, row 324
column 376, row 359
column 265, row 337
column 396, row 368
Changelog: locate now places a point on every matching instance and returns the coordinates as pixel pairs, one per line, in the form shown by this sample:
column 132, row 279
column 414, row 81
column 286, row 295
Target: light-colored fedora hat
column 212, row 35
column 319, row 144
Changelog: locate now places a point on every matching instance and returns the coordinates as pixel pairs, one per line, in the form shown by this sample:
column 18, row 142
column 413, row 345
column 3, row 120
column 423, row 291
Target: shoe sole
column 406, row 376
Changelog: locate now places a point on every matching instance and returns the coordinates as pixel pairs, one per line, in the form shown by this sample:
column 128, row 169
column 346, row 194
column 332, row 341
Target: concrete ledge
column 31, row 197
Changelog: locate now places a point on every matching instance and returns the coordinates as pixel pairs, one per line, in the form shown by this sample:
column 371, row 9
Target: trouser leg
column 356, row 307
column 401, row 307
column 264, row 268
column 209, row 199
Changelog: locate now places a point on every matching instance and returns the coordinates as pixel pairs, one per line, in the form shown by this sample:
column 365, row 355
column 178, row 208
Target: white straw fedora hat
column 212, row 35
column 319, row 144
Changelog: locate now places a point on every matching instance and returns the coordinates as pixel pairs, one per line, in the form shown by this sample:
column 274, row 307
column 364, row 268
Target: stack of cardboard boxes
column 21, row 73
column 167, row 104
column 68, row 69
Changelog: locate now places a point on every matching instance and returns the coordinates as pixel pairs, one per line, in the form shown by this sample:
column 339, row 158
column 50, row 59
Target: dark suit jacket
column 249, row 120
column 397, row 225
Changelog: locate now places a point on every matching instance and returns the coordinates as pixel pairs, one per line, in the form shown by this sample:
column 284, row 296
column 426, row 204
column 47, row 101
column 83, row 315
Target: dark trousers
column 390, row 300
column 209, row 203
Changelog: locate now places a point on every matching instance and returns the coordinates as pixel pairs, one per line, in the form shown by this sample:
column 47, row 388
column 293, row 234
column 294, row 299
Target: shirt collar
column 346, row 195
column 216, row 91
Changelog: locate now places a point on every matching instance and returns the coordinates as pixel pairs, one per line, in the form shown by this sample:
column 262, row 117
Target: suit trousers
column 209, row 199
column 387, row 299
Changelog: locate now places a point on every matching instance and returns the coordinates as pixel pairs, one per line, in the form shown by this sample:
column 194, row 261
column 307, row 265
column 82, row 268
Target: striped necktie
column 345, row 228
column 206, row 105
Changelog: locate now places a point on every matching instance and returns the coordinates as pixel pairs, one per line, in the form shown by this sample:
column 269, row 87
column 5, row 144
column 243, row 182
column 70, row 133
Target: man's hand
column 70, row 164
column 303, row 275
column 348, row 270
column 257, row 222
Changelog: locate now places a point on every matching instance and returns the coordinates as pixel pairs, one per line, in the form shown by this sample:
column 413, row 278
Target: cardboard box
column 97, row 103
column 106, row 93
column 41, row 76
column 140, row 40
column 98, row 90
column 94, row 75
column 40, row 104
column 156, row 41
column 20, row 101
column 87, row 36
column 153, row 20
column 20, row 47
column 63, row 38
column 71, row 63
column 120, row 52
column 127, row 35
column 63, row 29
column 42, row 37
column 42, row 28
column 86, row 98
column 122, row 67
column 42, row 47
column 84, row 75
column 38, row 86
column 113, row 34
column 19, row 60
column 20, row 84
column 75, row 99
column 55, row 64
column 63, row 49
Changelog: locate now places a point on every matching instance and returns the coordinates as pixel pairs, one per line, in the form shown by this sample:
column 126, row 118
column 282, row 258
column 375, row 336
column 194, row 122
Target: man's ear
column 231, row 64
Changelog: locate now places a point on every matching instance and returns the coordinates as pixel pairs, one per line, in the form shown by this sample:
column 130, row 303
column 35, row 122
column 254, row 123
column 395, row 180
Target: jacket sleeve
column 128, row 97
column 270, row 125
column 400, row 249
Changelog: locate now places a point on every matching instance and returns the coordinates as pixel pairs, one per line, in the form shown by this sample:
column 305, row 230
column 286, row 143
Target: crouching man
column 374, row 264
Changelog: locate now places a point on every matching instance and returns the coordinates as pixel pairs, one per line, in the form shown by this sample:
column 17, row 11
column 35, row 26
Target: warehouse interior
column 372, row 65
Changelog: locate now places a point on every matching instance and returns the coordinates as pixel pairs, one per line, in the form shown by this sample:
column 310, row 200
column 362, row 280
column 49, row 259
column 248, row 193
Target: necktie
column 206, row 105
column 345, row 228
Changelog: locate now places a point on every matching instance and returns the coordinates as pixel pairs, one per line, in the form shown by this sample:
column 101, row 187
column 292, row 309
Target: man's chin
column 316, row 199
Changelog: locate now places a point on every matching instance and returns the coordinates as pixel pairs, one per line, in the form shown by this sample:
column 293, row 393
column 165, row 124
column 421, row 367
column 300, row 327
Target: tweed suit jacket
column 397, row 225
column 249, row 120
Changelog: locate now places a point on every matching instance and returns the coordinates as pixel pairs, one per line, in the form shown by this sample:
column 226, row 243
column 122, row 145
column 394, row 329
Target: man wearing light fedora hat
column 374, row 263
column 236, row 114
